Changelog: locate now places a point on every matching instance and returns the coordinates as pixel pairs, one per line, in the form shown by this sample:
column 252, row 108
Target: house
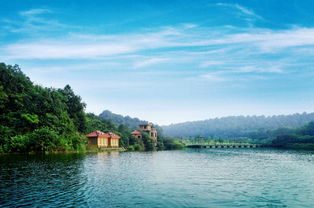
column 148, row 128
column 100, row 139
column 137, row 134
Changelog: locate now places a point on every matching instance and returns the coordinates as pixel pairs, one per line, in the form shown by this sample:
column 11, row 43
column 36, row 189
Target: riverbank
column 94, row 150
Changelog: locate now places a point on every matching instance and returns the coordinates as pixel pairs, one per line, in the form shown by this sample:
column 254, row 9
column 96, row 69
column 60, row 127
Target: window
column 93, row 141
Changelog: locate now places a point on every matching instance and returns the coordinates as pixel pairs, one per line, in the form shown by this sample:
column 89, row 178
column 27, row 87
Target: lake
column 184, row 178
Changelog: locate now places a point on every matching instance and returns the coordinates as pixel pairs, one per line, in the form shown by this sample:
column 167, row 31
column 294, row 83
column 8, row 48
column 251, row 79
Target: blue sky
column 168, row 61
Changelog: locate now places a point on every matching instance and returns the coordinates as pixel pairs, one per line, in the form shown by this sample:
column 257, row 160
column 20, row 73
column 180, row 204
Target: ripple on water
column 188, row 178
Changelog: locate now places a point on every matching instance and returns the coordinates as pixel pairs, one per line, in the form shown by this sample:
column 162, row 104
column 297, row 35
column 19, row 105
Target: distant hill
column 119, row 119
column 236, row 126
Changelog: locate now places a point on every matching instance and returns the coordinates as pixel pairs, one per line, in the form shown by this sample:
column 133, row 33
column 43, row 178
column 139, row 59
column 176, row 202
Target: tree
column 44, row 139
column 75, row 107
column 148, row 142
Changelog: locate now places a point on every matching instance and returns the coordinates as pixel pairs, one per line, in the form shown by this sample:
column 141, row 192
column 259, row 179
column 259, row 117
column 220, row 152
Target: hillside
column 128, row 121
column 35, row 118
column 119, row 119
column 236, row 126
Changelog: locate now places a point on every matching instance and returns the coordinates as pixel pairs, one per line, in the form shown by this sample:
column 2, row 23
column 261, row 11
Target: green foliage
column 301, row 146
column 148, row 142
column 94, row 122
column 74, row 107
column 125, row 120
column 30, row 118
column 44, row 139
column 307, row 129
column 125, row 134
column 3, row 97
column 237, row 126
column 160, row 144
column 138, row 147
column 19, row 143
column 37, row 118
column 73, row 142
column 119, row 119
column 300, row 138
column 172, row 144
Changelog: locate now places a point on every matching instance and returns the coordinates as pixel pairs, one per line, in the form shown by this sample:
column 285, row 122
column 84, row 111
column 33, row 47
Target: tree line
column 236, row 126
column 296, row 138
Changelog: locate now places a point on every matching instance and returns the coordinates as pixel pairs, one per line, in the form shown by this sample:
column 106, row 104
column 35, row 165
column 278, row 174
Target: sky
column 167, row 61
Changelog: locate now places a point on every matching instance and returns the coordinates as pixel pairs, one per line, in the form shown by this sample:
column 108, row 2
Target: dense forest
column 292, row 138
column 236, row 126
column 296, row 138
column 119, row 119
column 40, row 119
column 128, row 121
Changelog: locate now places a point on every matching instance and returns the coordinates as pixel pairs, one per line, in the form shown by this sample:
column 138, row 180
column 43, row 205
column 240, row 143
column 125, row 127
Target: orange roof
column 136, row 132
column 101, row 134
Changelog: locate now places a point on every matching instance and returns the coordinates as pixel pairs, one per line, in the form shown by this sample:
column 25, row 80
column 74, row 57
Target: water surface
column 187, row 178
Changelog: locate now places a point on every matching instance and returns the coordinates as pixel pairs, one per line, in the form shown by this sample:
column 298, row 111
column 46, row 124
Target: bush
column 138, row 147
column 44, row 139
column 19, row 143
column 284, row 139
column 130, row 148
column 171, row 144
column 75, row 142
column 148, row 142
column 160, row 144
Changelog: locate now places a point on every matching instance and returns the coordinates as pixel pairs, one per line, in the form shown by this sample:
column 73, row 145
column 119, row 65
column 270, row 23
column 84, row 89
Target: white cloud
column 210, row 63
column 64, row 50
column 213, row 77
column 187, row 44
column 265, row 40
column 189, row 26
column 259, row 69
column 94, row 46
column 149, row 62
column 33, row 12
column 35, row 21
column 246, row 11
column 242, row 9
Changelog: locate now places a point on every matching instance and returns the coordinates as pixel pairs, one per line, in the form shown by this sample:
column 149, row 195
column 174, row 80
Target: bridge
column 209, row 146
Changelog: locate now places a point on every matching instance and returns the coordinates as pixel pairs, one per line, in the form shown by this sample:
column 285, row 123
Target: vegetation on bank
column 298, row 138
column 292, row 138
column 211, row 140
column 39, row 119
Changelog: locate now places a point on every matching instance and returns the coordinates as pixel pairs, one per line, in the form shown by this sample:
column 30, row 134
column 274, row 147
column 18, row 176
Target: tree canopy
column 236, row 126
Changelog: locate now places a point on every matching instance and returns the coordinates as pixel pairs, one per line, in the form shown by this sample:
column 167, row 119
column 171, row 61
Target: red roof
column 113, row 135
column 95, row 134
column 136, row 132
column 101, row 134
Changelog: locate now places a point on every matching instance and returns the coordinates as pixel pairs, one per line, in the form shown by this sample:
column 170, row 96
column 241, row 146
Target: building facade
column 148, row 128
column 137, row 134
column 99, row 139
